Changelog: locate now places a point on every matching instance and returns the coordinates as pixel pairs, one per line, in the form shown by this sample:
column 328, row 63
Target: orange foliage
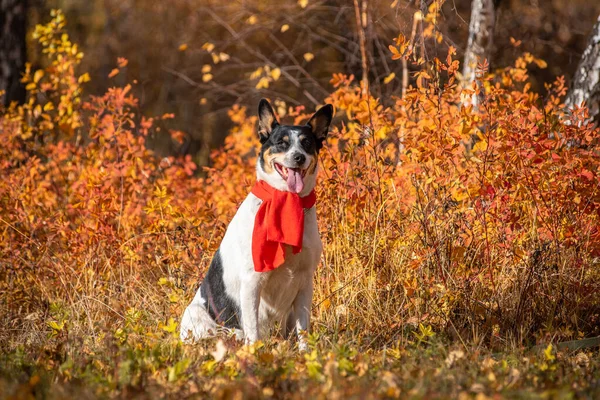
column 432, row 211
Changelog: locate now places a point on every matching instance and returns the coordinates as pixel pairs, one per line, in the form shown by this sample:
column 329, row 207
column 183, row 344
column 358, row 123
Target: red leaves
column 587, row 174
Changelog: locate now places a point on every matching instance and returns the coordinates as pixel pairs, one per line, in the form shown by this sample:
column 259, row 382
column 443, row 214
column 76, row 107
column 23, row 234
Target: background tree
column 200, row 57
column 13, row 52
column 585, row 86
column 481, row 39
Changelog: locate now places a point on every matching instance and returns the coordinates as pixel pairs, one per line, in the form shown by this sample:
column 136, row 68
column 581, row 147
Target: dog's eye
column 305, row 143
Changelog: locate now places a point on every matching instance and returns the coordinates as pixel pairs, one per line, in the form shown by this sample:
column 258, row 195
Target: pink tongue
column 294, row 180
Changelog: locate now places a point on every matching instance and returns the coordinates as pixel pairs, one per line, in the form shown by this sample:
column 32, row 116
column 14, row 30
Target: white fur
column 283, row 295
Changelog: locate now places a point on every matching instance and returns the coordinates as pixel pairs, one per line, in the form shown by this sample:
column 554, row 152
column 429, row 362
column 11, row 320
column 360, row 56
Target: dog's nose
column 299, row 158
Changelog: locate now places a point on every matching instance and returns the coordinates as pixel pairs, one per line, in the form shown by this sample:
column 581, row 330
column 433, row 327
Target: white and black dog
column 259, row 276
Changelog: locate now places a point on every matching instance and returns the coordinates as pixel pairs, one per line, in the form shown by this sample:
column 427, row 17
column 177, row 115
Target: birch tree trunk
column 12, row 49
column 481, row 35
column 586, row 82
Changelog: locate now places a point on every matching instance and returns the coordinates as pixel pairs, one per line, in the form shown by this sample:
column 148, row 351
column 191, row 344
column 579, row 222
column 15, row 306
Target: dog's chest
column 281, row 286
column 283, row 283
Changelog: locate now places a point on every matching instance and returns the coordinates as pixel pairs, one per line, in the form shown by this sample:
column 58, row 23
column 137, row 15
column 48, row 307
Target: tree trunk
column 361, row 25
column 481, row 34
column 586, row 82
column 12, row 49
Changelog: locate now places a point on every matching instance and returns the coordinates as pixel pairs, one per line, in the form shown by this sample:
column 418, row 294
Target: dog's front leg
column 301, row 314
column 250, row 303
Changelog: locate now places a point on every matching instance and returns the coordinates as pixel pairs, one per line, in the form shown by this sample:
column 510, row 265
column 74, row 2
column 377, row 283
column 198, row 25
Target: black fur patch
column 220, row 306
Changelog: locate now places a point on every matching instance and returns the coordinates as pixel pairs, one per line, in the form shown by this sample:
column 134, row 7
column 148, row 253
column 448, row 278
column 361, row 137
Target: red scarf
column 279, row 222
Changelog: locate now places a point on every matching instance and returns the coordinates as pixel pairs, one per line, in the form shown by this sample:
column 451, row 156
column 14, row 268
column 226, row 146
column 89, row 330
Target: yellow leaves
column 252, row 20
column 280, row 108
column 209, row 47
column 303, row 3
column 308, row 57
column 38, row 75
column 276, row 73
column 257, row 73
column 84, row 78
column 284, row 28
column 182, row 47
column 265, row 76
column 389, row 78
column 421, row 76
column 480, row 146
column 263, row 83
column 37, row 110
column 208, row 367
column 549, row 361
column 207, row 78
column 540, row 63
column 56, row 326
column 401, row 47
column 548, row 354
column 177, row 371
column 206, row 68
column 326, row 304
column 383, row 133
column 219, row 57
column 424, row 333
column 160, row 193
column 170, row 327
column 396, row 54
column 313, row 365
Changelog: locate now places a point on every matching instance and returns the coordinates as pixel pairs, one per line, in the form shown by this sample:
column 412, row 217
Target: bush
column 477, row 222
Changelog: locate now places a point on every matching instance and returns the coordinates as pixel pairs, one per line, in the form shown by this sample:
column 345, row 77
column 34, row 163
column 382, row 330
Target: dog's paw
column 237, row 334
column 302, row 345
column 248, row 340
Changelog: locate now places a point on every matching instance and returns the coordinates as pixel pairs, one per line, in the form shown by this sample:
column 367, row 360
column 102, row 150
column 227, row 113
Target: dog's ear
column 320, row 121
column 267, row 120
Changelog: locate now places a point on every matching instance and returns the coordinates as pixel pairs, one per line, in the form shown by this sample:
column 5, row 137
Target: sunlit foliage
column 439, row 220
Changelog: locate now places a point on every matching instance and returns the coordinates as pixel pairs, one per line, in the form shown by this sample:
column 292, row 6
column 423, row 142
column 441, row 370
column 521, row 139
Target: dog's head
column 289, row 153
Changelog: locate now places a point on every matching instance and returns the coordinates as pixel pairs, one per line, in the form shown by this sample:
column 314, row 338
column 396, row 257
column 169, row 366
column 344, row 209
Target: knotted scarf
column 278, row 222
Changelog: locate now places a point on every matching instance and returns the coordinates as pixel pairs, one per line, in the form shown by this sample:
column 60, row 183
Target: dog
column 263, row 271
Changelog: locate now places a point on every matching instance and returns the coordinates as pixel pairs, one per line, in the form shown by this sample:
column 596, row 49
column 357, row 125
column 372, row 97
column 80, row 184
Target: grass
column 88, row 345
